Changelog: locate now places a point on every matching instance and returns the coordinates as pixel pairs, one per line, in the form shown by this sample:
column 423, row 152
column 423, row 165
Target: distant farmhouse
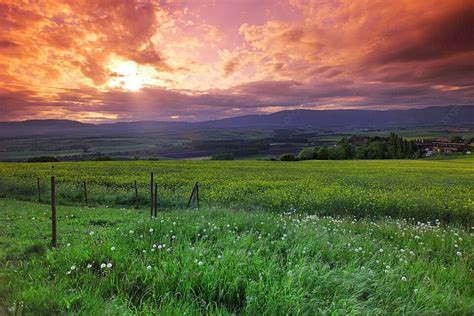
column 359, row 140
column 440, row 145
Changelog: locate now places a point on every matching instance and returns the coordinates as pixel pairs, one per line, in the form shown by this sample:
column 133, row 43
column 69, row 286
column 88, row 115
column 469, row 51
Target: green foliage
column 392, row 147
column 376, row 150
column 347, row 151
column 306, row 154
column 323, row 153
column 218, row 261
column 288, row 157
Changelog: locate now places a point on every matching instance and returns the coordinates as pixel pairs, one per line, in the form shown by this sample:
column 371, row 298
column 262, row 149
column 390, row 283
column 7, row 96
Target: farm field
column 219, row 261
column 422, row 190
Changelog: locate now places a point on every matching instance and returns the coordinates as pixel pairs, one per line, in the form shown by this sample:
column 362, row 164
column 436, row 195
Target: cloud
column 74, row 58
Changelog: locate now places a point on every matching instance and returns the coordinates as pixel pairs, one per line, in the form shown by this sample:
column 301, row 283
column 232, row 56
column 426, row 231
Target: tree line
column 391, row 147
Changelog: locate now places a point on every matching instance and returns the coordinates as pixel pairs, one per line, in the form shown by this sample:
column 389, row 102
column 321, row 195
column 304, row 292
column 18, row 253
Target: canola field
column 412, row 189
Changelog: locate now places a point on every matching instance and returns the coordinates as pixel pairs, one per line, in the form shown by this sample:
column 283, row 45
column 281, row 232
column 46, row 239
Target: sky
column 110, row 60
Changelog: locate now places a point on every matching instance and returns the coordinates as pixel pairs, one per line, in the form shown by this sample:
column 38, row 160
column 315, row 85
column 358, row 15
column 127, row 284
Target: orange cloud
column 112, row 60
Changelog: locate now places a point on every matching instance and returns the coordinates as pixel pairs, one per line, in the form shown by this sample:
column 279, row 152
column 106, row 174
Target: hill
column 324, row 119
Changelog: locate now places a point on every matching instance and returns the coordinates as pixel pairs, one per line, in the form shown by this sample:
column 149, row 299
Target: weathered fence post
column 151, row 194
column 136, row 194
column 156, row 200
column 85, row 192
column 39, row 190
column 192, row 196
column 197, row 194
column 54, row 241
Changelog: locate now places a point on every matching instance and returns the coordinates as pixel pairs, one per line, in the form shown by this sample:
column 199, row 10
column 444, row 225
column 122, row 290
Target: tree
column 376, row 150
column 335, row 153
column 315, row 153
column 361, row 152
column 323, row 153
column 345, row 149
column 287, row 157
column 456, row 139
column 306, row 154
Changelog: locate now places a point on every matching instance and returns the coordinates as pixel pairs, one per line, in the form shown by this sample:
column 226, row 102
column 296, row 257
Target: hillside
column 324, row 119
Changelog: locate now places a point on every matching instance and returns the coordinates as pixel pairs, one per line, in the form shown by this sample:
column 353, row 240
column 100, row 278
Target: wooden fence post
column 156, row 200
column 39, row 190
column 85, row 192
column 194, row 198
column 151, row 194
column 136, row 194
column 197, row 194
column 54, row 240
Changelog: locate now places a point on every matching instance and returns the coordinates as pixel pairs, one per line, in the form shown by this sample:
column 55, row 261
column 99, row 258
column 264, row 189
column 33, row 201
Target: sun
column 128, row 75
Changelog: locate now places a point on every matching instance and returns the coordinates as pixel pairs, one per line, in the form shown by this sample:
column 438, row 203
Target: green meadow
column 313, row 237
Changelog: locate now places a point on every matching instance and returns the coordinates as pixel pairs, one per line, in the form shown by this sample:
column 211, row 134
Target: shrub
column 323, row 153
column 287, row 157
column 306, row 154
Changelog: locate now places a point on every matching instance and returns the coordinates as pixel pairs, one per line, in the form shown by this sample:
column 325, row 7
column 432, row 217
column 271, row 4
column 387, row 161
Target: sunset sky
column 111, row 60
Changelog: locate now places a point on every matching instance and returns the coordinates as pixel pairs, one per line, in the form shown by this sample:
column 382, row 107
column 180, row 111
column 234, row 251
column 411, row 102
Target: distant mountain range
column 320, row 119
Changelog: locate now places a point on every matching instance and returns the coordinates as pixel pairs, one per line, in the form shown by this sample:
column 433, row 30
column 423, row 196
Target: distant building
column 459, row 130
column 444, row 147
column 359, row 140
column 440, row 145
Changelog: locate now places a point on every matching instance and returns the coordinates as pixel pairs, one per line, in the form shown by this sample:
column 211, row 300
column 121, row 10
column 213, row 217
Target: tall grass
column 225, row 262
